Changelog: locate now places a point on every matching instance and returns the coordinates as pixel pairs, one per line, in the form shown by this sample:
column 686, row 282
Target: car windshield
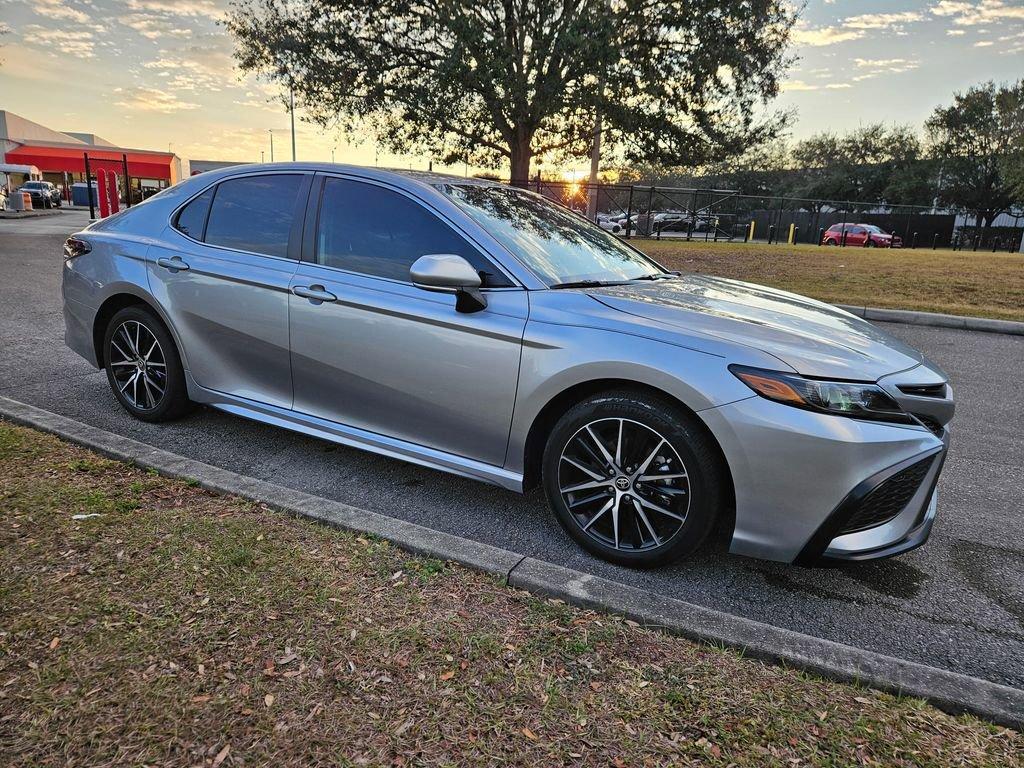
column 557, row 244
column 874, row 230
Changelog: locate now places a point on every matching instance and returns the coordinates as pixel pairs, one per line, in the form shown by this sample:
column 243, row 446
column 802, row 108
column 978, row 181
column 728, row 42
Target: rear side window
column 192, row 218
column 254, row 213
column 375, row 231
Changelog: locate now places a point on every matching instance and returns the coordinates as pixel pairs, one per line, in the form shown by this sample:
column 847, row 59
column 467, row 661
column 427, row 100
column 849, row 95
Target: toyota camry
column 481, row 329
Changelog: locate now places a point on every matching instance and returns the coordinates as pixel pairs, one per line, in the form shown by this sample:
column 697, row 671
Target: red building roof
column 55, row 158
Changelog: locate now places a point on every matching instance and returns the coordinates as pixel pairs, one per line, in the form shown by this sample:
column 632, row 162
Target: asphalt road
column 956, row 603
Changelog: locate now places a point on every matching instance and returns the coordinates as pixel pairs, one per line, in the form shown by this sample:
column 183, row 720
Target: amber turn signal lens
column 773, row 389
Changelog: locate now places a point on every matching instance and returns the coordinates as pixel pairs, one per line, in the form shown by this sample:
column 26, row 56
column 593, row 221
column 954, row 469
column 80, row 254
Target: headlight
column 843, row 398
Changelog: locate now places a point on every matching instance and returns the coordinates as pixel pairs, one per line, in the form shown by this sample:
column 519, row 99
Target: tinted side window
column 254, row 213
column 375, row 231
column 192, row 218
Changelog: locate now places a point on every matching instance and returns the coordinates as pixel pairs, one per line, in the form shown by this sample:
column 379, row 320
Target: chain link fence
column 634, row 211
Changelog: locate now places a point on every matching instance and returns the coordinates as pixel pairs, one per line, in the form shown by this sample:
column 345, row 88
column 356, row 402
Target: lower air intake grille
column 889, row 499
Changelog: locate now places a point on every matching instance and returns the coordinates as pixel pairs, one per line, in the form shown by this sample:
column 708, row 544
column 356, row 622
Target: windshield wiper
column 586, row 284
column 658, row 276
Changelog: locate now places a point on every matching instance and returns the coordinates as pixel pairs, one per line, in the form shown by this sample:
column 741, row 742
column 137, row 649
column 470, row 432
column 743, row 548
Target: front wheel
column 143, row 366
column 632, row 478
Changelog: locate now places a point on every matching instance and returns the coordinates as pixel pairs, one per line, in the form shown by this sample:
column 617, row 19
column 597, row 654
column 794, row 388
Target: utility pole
column 291, row 109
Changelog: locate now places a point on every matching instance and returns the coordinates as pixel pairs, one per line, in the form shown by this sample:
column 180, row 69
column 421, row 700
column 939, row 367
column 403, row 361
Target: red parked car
column 864, row 235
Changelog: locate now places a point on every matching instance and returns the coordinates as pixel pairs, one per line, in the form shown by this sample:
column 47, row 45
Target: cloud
column 59, row 10
column 895, row 21
column 983, row 44
column 154, row 27
column 890, row 65
column 194, row 68
column 955, row 32
column 821, row 36
column 800, row 85
column 965, row 14
column 853, row 28
column 79, row 43
column 152, row 100
column 203, row 8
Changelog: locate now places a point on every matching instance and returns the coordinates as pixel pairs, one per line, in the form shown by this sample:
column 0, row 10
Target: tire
column 869, row 243
column 678, row 511
column 829, row 241
column 157, row 392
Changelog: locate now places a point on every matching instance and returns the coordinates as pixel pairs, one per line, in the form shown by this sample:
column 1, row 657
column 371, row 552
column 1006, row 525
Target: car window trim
column 309, row 245
column 307, row 180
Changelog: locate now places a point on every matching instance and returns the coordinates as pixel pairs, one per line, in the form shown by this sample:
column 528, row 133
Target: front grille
column 931, row 422
column 923, row 390
column 888, row 499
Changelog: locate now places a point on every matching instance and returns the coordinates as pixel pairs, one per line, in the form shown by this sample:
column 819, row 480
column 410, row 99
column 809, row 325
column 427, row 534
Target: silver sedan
column 480, row 329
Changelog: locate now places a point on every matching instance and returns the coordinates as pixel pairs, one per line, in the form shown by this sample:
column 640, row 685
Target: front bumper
column 839, row 538
column 800, row 477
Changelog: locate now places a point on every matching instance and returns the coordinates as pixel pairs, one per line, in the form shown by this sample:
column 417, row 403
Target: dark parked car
column 865, row 235
column 44, row 194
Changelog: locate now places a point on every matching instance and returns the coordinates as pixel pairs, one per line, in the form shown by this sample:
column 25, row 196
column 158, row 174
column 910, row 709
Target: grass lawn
column 175, row 627
column 954, row 282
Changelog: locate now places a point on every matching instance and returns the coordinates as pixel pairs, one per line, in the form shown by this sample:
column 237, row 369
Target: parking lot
column 957, row 603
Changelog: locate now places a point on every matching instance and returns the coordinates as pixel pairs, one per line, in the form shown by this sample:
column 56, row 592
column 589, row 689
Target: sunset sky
column 153, row 73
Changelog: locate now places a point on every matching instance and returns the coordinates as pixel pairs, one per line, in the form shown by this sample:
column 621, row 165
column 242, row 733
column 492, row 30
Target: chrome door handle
column 314, row 293
column 174, row 263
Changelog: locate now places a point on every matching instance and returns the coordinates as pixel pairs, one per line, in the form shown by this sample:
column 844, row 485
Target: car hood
column 813, row 338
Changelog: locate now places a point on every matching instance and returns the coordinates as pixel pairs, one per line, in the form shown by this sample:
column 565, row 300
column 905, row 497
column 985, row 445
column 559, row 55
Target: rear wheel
column 143, row 366
column 632, row 478
column 830, row 241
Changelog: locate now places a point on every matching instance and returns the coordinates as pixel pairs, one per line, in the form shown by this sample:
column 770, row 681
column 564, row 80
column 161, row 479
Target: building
column 202, row 166
column 60, row 156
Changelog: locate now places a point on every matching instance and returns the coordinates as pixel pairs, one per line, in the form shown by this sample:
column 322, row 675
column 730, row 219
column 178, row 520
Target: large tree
column 871, row 163
column 682, row 82
column 976, row 139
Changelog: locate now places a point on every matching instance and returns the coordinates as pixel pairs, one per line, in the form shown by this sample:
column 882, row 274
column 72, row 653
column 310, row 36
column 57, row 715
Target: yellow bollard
column 791, row 228
column 750, row 236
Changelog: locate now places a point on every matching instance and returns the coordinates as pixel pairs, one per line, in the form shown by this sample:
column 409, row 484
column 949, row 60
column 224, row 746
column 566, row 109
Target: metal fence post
column 629, row 212
column 935, row 241
column 650, row 214
column 88, row 187
column 127, row 182
column 821, row 234
column 771, row 233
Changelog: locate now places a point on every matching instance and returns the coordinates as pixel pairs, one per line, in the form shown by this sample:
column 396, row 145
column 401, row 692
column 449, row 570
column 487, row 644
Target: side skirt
column 357, row 438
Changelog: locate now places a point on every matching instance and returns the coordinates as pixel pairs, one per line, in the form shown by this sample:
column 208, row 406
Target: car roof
column 400, row 176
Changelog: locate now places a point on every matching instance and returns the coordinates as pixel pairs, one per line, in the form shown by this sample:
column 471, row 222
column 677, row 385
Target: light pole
column 271, row 132
column 291, row 110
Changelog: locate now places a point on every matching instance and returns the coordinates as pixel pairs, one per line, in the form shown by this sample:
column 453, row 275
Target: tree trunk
column 522, row 153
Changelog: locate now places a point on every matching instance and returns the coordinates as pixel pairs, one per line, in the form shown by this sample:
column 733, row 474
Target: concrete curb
column 936, row 320
column 35, row 213
column 947, row 690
